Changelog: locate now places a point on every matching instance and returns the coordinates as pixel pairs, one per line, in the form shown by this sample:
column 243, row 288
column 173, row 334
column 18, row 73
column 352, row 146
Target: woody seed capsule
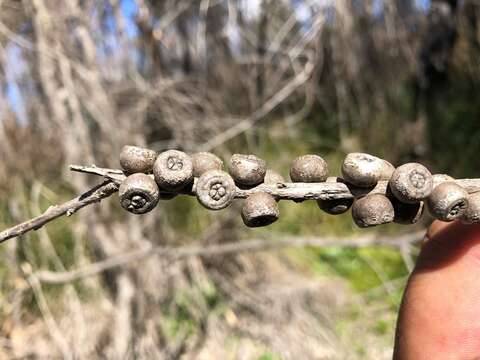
column 372, row 210
column 272, row 177
column 439, row 178
column 205, row 161
column 215, row 189
column 134, row 159
column 448, row 201
column 335, row 206
column 173, row 170
column 407, row 214
column 472, row 213
column 247, row 170
column 387, row 170
column 260, row 209
column 308, row 169
column 364, row 170
column 411, row 183
column 138, row 193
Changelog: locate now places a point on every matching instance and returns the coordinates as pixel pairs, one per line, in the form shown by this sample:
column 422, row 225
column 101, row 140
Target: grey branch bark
column 290, row 191
column 92, row 196
column 284, row 191
column 256, row 245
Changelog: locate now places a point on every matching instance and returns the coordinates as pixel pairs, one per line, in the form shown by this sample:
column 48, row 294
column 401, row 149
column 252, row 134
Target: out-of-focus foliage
column 81, row 78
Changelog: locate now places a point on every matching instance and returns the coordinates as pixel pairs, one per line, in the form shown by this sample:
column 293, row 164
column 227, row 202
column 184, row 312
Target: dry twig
column 179, row 253
column 92, row 196
column 283, row 191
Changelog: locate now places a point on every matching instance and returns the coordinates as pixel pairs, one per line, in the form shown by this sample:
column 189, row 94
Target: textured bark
column 283, row 191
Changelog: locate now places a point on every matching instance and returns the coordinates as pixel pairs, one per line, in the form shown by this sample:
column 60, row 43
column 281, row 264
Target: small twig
column 92, row 196
column 282, row 191
column 289, row 191
column 179, row 253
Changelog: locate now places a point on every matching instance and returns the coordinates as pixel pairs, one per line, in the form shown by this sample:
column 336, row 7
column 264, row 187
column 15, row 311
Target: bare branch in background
column 180, row 253
column 281, row 191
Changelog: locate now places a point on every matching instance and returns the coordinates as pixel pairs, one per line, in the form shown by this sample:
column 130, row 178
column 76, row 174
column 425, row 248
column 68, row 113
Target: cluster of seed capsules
column 411, row 187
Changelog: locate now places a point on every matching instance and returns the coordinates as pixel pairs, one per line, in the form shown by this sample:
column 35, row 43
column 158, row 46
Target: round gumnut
column 134, row 159
column 440, row 178
column 165, row 195
column 215, row 189
column 387, row 170
column 411, row 183
column 309, row 169
column 335, row 206
column 372, row 210
column 363, row 170
column 472, row 213
column 205, row 161
column 138, row 193
column 173, row 170
column 407, row 214
column 273, row 177
column 247, row 170
column 448, row 201
column 260, row 209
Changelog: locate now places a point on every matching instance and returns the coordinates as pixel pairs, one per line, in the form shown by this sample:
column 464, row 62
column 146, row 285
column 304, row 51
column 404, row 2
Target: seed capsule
column 472, row 213
column 272, row 177
column 173, row 170
column 387, row 170
column 260, row 209
column 407, row 214
column 372, row 210
column 205, row 161
column 363, row 170
column 215, row 189
column 308, row 169
column 167, row 195
column 411, row 183
column 336, row 206
column 247, row 170
column 448, row 201
column 134, row 159
column 138, row 193
column 439, row 178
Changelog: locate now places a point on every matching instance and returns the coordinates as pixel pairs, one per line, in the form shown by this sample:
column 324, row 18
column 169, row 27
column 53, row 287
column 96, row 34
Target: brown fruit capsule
column 173, row 170
column 363, row 170
column 411, row 183
column 205, row 161
column 472, row 213
column 165, row 195
column 308, row 169
column 215, row 189
column 407, row 214
column 134, row 159
column 247, row 170
column 439, row 178
column 387, row 170
column 260, row 209
column 448, row 201
column 138, row 193
column 372, row 210
column 336, row 206
column 272, row 177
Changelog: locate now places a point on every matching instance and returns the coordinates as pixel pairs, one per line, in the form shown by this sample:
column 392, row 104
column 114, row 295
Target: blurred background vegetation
column 81, row 78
